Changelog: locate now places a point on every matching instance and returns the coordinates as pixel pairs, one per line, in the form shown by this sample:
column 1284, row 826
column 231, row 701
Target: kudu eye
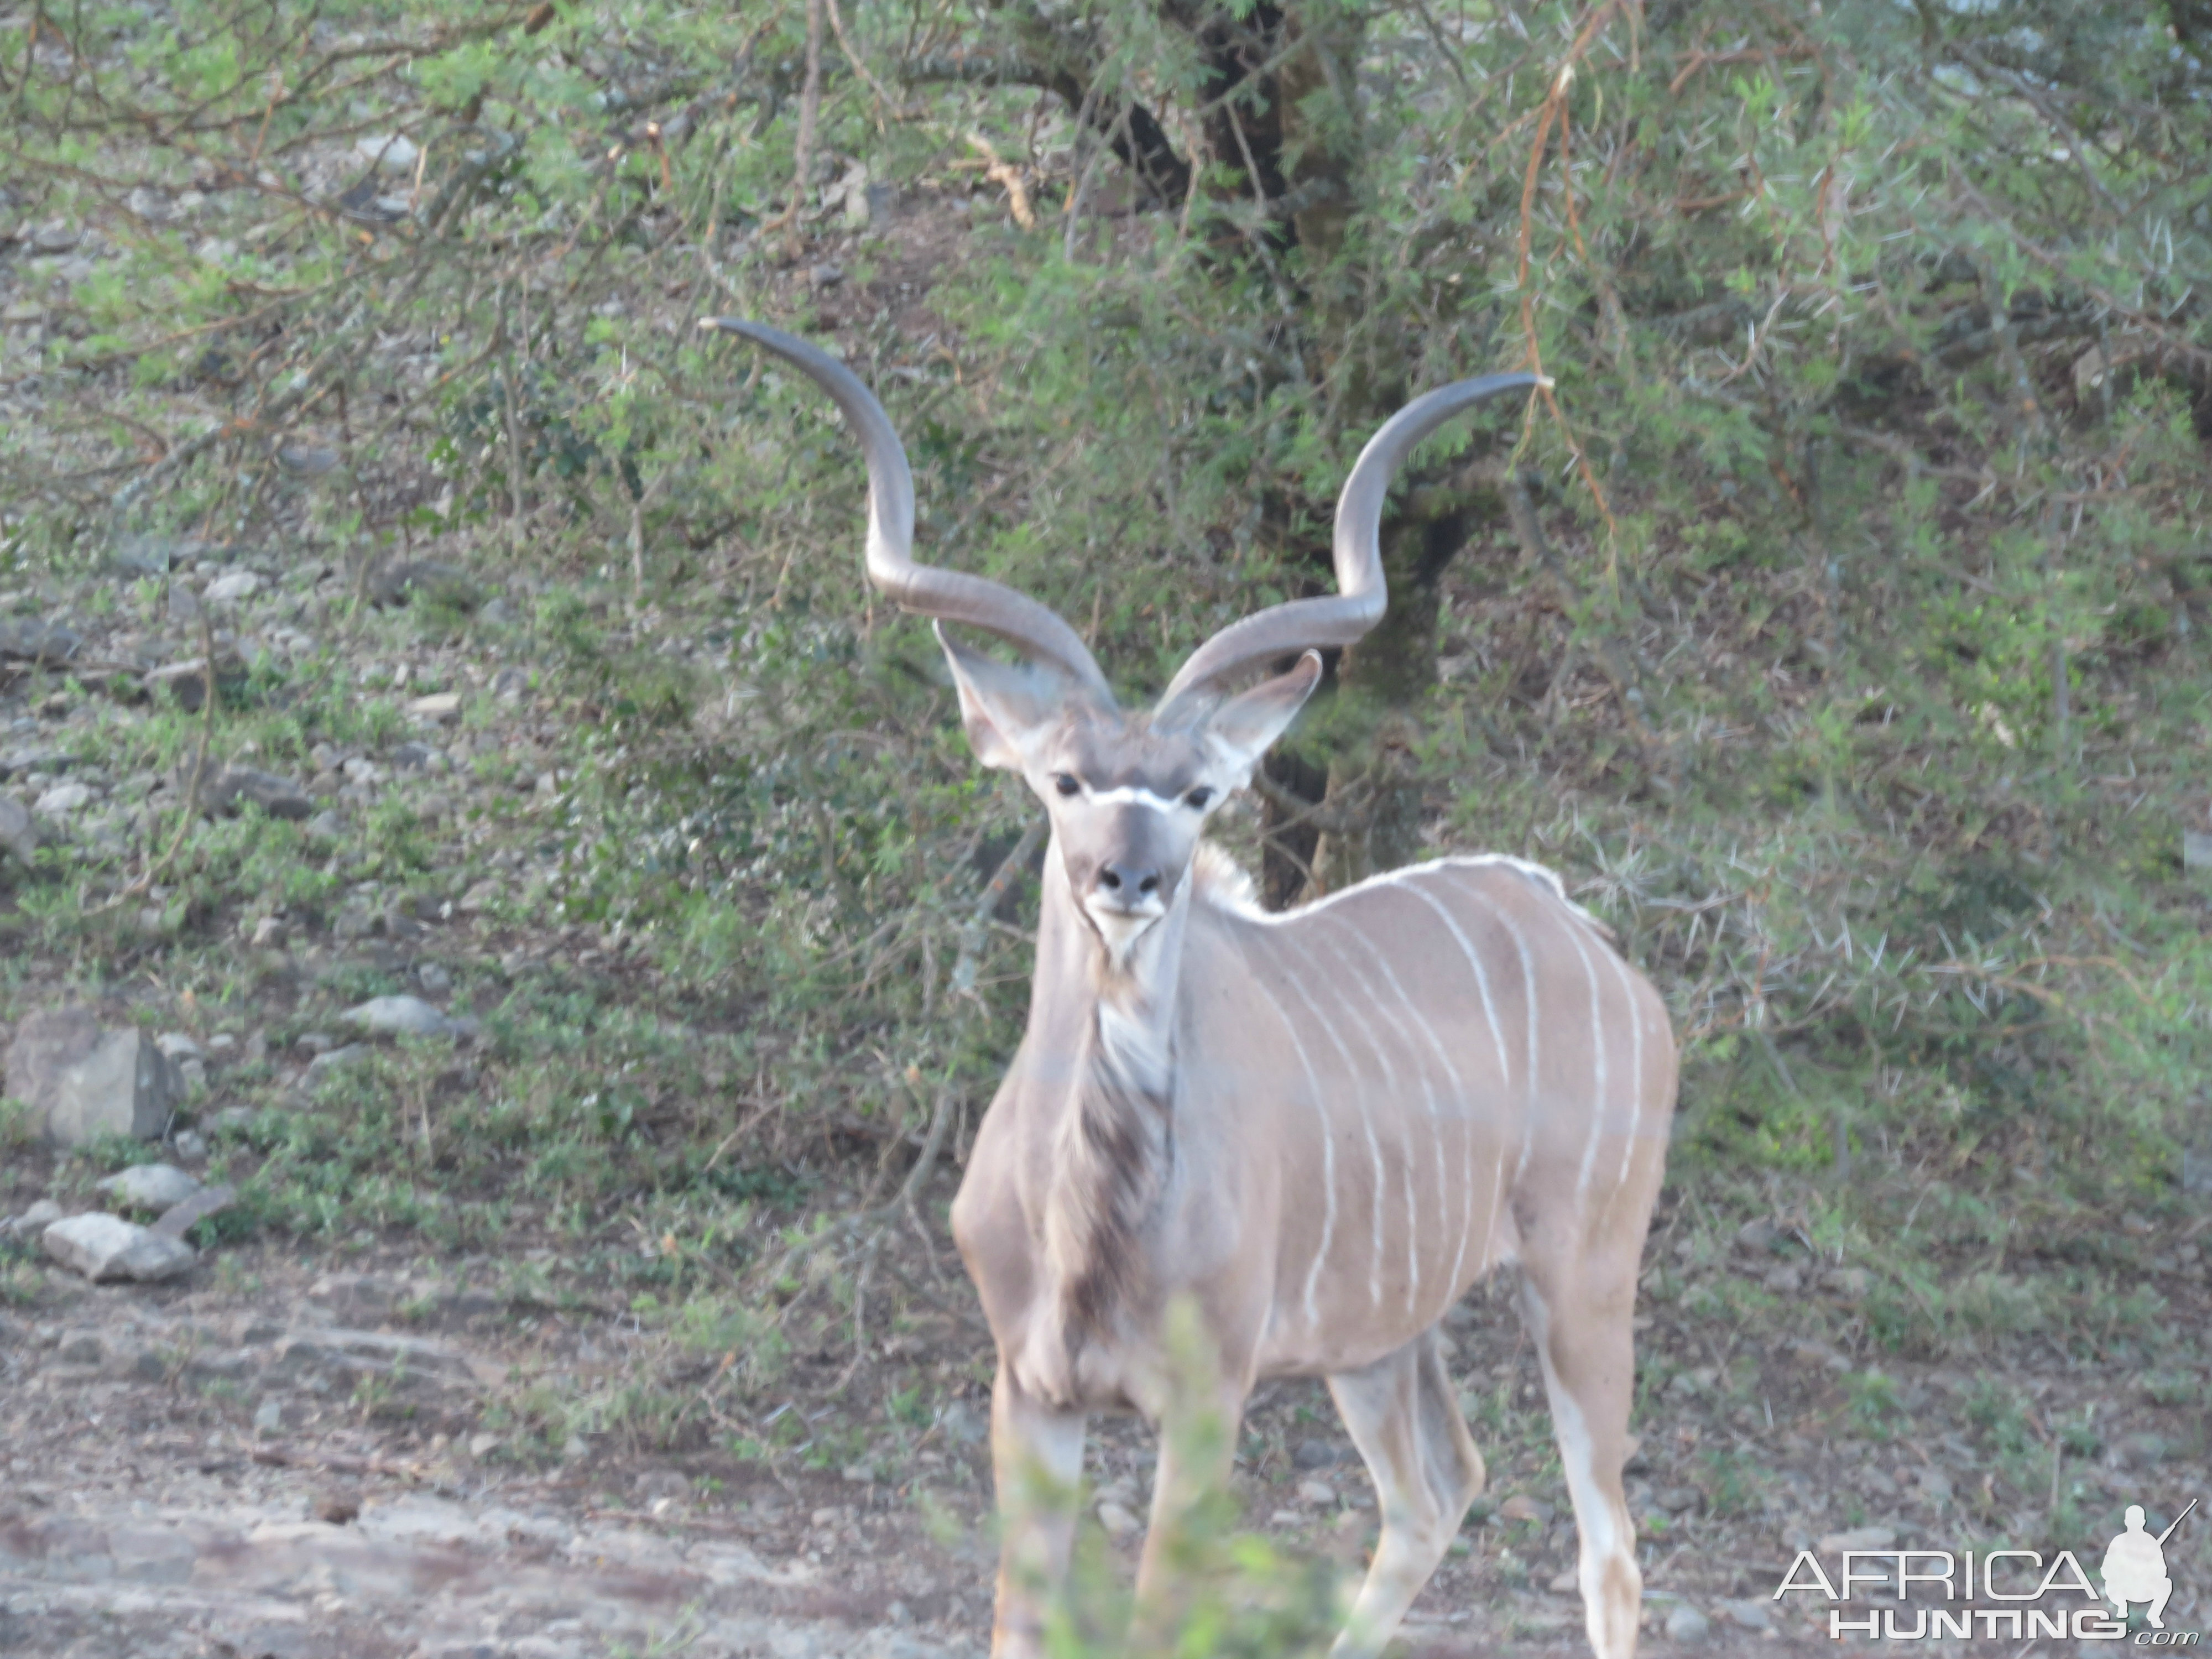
column 1066, row 783
column 1198, row 799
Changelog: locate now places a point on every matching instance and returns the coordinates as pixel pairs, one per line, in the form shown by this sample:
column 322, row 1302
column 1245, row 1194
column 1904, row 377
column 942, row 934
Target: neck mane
column 1115, row 1146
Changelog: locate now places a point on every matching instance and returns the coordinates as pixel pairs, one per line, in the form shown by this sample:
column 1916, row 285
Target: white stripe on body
column 1327, row 1151
column 1390, row 1080
column 1374, row 1150
column 1465, row 1103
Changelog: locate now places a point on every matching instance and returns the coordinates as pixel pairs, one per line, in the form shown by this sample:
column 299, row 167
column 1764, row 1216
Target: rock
column 191, row 1145
column 1121, row 1526
column 433, row 979
column 36, row 1220
column 400, row 1016
column 438, row 706
column 1676, row 1500
column 2196, row 850
column 1687, row 1626
column 511, row 683
column 328, row 1064
column 62, row 799
column 828, row 274
column 178, row 1045
column 148, row 1187
column 392, row 151
column 184, row 603
column 1317, row 1492
column 181, row 1218
column 1747, row 1616
column 269, row 1416
column 230, row 589
column 84, row 1082
column 337, row 1507
column 1521, row 1507
column 1313, row 1454
column 326, row 826
column 279, row 797
column 269, row 934
column 104, row 1248
column 18, row 834
column 186, row 681
column 483, row 1445
column 1858, row 1538
column 497, row 611
column 480, row 897
column 962, row 1424
column 47, row 644
column 314, row 460
column 1564, row 1583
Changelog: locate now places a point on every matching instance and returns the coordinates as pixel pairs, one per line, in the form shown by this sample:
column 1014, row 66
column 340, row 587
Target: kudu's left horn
column 948, row 595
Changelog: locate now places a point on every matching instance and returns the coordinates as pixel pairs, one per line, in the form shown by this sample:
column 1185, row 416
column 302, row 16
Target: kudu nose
column 1127, row 882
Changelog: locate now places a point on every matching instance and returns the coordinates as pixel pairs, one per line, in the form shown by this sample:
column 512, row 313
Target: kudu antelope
column 1321, row 1127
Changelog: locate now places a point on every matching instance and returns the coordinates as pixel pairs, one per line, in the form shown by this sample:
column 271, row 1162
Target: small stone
column 269, row 934
column 62, row 799
column 85, row 1081
column 326, row 826
column 148, row 1187
column 438, row 706
column 497, row 611
column 18, row 834
column 269, row 1416
column 1317, row 1492
column 1521, row 1507
column 229, row 589
column 336, row 1507
column 1313, row 1454
column 191, row 1145
column 279, row 797
column 399, row 1016
column 36, row 1220
column 393, row 152
column 1677, row 1500
column 180, row 1218
column 47, row 644
column 480, row 897
column 482, row 1445
column 433, row 979
column 1121, row 1526
column 178, row 1045
column 1747, row 1616
column 860, row 1474
column 361, row 769
column 316, row 1042
column 1687, row 1626
column 1564, row 1583
column 828, row 274
column 962, row 1424
column 105, row 1248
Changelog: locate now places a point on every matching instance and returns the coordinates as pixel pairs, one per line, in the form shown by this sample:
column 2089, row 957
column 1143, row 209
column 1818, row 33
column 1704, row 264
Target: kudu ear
column 1008, row 709
column 1244, row 727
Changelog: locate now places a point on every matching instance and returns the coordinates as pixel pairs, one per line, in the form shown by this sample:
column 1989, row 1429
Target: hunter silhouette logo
column 2135, row 1566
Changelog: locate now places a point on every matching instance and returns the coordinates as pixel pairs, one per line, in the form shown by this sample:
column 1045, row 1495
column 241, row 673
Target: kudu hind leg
column 1404, row 1417
column 1037, row 1462
column 1578, row 1317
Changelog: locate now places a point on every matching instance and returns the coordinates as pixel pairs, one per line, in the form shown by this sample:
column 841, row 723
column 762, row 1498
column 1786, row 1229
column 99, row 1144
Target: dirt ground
column 286, row 1455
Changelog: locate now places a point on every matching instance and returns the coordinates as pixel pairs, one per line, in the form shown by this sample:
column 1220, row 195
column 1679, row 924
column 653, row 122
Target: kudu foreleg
column 1404, row 1417
column 1036, row 1460
column 1198, row 1445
